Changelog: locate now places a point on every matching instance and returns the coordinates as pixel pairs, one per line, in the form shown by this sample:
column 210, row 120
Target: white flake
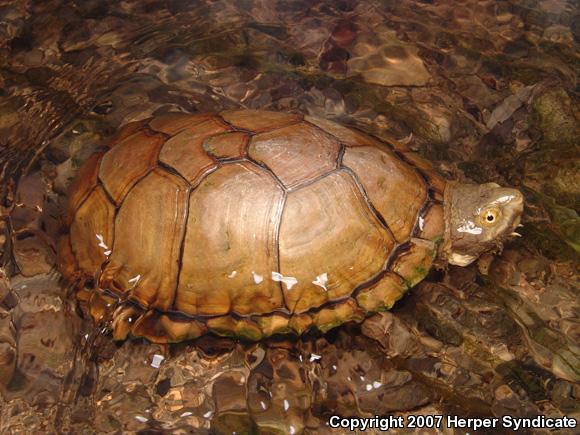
column 421, row 223
column 377, row 384
column 234, row 273
column 101, row 240
column 263, row 404
column 157, row 360
column 292, row 430
column 257, row 278
column 333, row 367
column 140, row 418
column 321, row 280
column 208, row 414
column 135, row 279
column 290, row 281
column 503, row 199
column 469, row 227
column 186, row 414
column 369, row 387
column 314, row 357
column 286, row 405
column 107, row 253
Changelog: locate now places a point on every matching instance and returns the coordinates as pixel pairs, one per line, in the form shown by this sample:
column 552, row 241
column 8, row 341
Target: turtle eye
column 489, row 216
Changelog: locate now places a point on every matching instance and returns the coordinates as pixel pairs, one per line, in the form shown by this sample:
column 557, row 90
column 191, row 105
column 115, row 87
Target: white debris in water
column 421, row 223
column 263, row 404
column 321, row 280
column 257, row 278
column 107, row 253
column 101, row 240
column 141, row 418
column 469, row 227
column 135, row 279
column 300, row 358
column 292, row 430
column 157, row 360
column 234, row 273
column 314, row 357
column 348, row 378
column 286, row 405
column 375, row 384
column 503, row 199
column 186, row 414
column 290, row 281
column 333, row 367
column 86, row 336
column 362, row 378
column 208, row 414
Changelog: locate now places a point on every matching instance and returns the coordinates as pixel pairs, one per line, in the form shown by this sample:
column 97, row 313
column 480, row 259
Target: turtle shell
column 248, row 223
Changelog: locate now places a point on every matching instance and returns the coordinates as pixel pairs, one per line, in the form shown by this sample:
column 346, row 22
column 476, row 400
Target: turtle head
column 478, row 218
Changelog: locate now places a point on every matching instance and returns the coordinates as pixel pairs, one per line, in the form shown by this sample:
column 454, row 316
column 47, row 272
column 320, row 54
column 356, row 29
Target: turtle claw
column 516, row 234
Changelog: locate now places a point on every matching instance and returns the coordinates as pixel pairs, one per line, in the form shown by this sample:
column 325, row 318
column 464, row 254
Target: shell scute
column 185, row 153
column 93, row 220
column 259, row 120
column 395, row 189
column 414, row 264
column 230, row 145
column 124, row 165
column 295, row 154
column 83, row 183
column 145, row 257
column 126, row 131
column 382, row 295
column 345, row 135
column 173, row 123
column 230, row 245
column 329, row 246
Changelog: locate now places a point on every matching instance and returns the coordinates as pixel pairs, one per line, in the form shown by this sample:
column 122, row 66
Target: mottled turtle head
column 478, row 218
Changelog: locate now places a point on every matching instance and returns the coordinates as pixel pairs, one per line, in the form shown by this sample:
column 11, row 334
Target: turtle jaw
column 460, row 259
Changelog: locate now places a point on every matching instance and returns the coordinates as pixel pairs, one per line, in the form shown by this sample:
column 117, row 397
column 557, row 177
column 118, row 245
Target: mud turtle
column 251, row 223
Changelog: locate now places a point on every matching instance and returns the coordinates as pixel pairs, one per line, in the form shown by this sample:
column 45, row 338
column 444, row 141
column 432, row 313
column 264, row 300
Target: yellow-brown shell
column 248, row 223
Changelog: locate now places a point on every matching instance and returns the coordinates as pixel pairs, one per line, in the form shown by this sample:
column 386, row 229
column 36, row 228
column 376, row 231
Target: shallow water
column 487, row 90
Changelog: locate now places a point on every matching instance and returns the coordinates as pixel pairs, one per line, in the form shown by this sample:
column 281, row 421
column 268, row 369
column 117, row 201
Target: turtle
column 249, row 223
